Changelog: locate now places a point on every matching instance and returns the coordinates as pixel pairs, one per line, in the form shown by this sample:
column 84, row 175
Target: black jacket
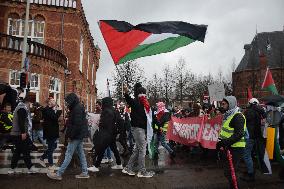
column 50, row 123
column 138, row 115
column 77, row 125
column 160, row 123
column 108, row 125
column 253, row 116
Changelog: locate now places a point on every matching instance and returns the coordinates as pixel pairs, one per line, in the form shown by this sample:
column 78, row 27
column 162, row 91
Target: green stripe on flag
column 166, row 45
column 272, row 88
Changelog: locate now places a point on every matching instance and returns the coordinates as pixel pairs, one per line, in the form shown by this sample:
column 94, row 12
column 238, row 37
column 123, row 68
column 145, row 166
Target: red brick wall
column 73, row 25
column 12, row 60
column 254, row 79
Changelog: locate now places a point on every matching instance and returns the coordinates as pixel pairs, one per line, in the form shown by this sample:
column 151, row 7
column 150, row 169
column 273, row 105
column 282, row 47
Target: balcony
column 55, row 3
column 12, row 43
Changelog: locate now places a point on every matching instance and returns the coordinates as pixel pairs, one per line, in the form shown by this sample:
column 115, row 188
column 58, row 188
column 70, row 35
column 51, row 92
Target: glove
column 222, row 143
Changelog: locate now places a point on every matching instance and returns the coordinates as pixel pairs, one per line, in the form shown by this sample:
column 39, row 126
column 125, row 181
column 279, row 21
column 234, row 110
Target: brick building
column 62, row 54
column 266, row 50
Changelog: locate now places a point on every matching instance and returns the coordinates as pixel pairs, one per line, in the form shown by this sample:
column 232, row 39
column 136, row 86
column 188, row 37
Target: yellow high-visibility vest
column 227, row 131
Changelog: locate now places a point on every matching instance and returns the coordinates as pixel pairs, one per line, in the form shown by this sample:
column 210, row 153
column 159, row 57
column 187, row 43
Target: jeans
column 161, row 137
column 107, row 153
column 130, row 138
column 21, row 147
column 247, row 155
column 74, row 145
column 51, row 146
column 38, row 135
column 139, row 152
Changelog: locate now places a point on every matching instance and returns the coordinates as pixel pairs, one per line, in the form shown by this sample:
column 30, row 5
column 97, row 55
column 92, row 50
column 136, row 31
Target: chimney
column 247, row 47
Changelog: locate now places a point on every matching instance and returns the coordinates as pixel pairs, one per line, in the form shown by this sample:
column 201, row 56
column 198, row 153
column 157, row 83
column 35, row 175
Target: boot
column 248, row 177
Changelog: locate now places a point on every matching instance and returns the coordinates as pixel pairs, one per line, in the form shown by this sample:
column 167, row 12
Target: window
column 54, row 89
column 14, row 81
column 16, row 27
column 34, row 81
column 15, row 78
column 88, row 65
column 93, row 67
column 91, row 104
column 87, row 103
column 81, row 54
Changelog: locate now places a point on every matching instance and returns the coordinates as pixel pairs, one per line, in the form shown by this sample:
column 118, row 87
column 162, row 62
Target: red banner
column 194, row 130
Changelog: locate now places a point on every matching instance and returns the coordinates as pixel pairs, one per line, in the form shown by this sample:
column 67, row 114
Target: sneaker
column 93, row 169
column 32, row 170
column 41, row 162
column 11, row 171
column 127, row 171
column 53, row 168
column 117, row 167
column 110, row 160
column 145, row 174
column 105, row 160
column 82, row 175
column 54, row 176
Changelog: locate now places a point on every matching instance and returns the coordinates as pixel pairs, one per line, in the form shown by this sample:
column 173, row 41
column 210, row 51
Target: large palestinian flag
column 127, row 42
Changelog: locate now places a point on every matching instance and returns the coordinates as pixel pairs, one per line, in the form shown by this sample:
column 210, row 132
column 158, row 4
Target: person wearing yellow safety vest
column 160, row 123
column 6, row 118
column 231, row 135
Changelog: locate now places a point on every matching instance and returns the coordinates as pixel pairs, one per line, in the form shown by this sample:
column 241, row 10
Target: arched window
column 14, row 23
column 81, row 53
column 36, row 25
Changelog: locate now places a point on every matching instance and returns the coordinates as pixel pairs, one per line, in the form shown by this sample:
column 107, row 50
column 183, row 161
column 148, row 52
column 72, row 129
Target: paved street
column 186, row 171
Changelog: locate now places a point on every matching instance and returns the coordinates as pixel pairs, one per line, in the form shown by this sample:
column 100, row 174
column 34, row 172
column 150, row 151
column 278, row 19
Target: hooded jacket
column 253, row 115
column 77, row 125
column 108, row 128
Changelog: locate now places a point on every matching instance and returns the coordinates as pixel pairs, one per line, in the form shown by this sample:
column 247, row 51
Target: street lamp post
column 24, row 48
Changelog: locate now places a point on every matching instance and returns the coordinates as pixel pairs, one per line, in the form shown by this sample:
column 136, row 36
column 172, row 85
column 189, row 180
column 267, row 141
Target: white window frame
column 91, row 103
column 88, row 65
column 32, row 36
column 93, row 67
column 87, row 103
column 35, row 90
column 54, row 91
column 81, row 53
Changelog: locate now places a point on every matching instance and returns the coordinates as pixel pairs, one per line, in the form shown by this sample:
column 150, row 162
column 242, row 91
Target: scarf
column 230, row 112
column 143, row 100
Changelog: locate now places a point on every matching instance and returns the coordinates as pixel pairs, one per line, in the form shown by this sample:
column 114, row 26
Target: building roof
column 271, row 44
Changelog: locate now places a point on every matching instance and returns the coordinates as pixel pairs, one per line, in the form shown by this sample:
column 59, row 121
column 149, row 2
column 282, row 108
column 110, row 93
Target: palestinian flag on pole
column 268, row 83
column 127, row 42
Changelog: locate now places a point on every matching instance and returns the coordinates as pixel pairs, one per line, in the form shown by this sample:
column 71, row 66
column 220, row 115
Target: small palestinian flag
column 127, row 42
column 268, row 83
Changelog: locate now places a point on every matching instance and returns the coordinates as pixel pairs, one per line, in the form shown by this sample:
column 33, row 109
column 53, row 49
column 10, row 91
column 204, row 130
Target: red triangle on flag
column 121, row 43
column 249, row 93
column 268, row 80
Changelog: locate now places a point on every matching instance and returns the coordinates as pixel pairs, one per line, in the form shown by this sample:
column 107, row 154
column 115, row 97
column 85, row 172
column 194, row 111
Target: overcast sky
column 231, row 24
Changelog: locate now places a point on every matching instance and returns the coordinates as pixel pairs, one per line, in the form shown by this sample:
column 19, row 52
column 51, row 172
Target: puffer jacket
column 77, row 125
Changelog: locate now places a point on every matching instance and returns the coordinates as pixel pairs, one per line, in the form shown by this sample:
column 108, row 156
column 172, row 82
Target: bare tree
column 167, row 84
column 154, row 89
column 179, row 74
column 128, row 73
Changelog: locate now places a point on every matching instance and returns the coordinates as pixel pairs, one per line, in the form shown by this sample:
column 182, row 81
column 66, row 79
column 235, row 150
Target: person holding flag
column 232, row 141
column 141, row 121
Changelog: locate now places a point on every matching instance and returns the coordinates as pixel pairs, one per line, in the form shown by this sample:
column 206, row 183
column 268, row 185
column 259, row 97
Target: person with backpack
column 105, row 136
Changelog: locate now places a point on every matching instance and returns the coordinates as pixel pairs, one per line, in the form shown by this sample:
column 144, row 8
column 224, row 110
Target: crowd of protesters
column 24, row 123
